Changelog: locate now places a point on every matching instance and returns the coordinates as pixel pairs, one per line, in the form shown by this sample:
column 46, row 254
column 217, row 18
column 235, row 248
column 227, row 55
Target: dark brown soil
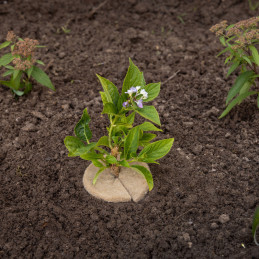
column 212, row 169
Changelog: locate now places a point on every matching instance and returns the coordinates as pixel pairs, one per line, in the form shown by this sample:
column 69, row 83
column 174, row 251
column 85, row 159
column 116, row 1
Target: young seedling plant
column 125, row 143
column 22, row 56
column 240, row 41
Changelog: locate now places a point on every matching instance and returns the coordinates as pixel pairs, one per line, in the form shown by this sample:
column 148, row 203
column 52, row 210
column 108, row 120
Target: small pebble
column 214, row 225
column 65, row 106
column 186, row 237
column 227, row 135
column 29, row 127
column 38, row 115
column 212, row 111
column 188, row 123
column 61, row 54
column 197, row 149
column 19, row 120
column 224, row 218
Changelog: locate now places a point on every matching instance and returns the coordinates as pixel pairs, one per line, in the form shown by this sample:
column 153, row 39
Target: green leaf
column 101, row 150
column 27, row 87
column 110, row 90
column 255, row 224
column 104, row 99
column 153, row 90
column 150, row 113
column 7, row 83
column 134, row 77
column 5, row 44
column 91, row 156
column 157, row 149
column 109, row 108
column 97, row 163
column 29, row 71
column 247, row 60
column 103, row 141
column 223, row 51
column 19, row 93
column 40, row 62
column 146, row 137
column 230, row 39
column 111, row 159
column 233, row 67
column 9, row 67
column 222, row 40
column 76, row 147
column 122, row 128
column 147, row 160
column 245, row 88
column 236, row 101
column 148, row 126
column 97, row 174
column 115, row 139
column 130, row 119
column 82, row 129
column 131, row 142
column 240, row 81
column 8, row 72
column 228, row 59
column 146, row 173
column 124, row 163
column 41, row 77
column 16, row 81
column 120, row 102
column 15, row 74
column 255, row 54
column 6, row 59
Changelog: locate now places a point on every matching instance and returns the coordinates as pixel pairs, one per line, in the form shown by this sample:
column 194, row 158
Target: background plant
column 253, row 5
column 23, row 57
column 255, row 224
column 125, row 143
column 240, row 41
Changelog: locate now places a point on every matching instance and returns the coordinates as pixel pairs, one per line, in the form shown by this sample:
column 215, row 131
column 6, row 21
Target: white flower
column 144, row 93
column 139, row 103
column 138, row 87
column 131, row 91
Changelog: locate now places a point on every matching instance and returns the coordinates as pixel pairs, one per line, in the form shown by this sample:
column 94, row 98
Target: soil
column 205, row 190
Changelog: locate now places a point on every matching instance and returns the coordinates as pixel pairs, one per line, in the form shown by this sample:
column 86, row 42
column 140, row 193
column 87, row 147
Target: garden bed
column 205, row 190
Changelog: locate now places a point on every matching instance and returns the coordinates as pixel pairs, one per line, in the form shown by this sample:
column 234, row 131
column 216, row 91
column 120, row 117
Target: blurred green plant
column 123, row 139
column 22, row 56
column 240, row 41
column 64, row 28
column 253, row 6
column 180, row 17
column 255, row 224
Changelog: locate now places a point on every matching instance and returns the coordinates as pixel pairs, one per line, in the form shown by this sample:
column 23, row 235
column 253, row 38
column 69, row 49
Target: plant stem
column 112, row 122
column 110, row 133
column 115, row 170
column 254, row 65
